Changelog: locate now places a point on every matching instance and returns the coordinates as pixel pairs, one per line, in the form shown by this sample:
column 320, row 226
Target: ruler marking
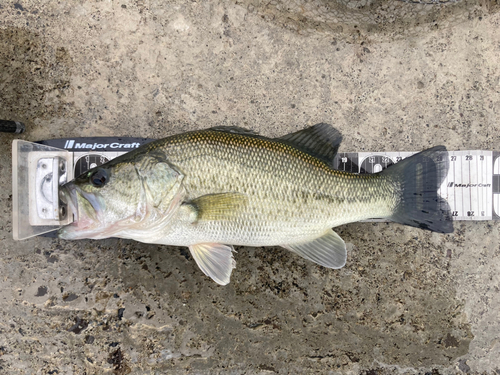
column 471, row 190
column 453, row 192
column 480, row 194
column 496, row 172
column 488, row 206
column 482, row 171
column 471, row 181
column 489, row 197
column 467, row 192
column 453, row 158
column 472, row 205
column 491, row 171
column 482, row 211
column 462, row 193
column 466, row 202
column 488, row 202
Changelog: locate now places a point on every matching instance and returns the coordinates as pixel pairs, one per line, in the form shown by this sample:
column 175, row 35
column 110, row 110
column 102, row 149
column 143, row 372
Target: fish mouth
column 85, row 208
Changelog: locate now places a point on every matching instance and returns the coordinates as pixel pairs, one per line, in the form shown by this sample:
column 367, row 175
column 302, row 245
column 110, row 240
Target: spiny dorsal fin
column 217, row 206
column 233, row 129
column 320, row 140
column 328, row 250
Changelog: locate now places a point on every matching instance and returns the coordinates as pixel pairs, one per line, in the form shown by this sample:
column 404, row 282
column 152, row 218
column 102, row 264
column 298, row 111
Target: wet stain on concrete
column 33, row 74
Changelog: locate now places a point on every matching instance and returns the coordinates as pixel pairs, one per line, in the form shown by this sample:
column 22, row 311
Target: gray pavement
column 389, row 75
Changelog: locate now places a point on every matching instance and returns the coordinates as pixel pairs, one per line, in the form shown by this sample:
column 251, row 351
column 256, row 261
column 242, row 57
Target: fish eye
column 98, row 178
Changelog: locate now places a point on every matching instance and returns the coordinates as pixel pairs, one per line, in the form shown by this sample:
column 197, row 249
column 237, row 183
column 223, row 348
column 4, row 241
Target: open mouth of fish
column 85, row 208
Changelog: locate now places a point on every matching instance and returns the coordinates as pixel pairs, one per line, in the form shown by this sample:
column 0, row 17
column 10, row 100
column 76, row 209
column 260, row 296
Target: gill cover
column 163, row 195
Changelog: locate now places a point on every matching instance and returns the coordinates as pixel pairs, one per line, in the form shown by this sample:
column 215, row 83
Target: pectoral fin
column 328, row 250
column 217, row 206
column 215, row 260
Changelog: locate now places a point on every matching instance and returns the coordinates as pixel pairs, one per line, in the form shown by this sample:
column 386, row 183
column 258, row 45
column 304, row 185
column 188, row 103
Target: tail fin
column 419, row 178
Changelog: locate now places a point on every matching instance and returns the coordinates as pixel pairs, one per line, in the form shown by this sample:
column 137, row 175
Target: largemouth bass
column 215, row 188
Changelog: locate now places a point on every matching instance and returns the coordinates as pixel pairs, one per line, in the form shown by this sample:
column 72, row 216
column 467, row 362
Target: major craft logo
column 72, row 144
column 455, row 185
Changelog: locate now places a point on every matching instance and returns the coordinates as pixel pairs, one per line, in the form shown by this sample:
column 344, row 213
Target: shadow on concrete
column 374, row 20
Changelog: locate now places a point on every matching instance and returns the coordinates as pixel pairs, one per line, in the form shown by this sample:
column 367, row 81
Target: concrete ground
column 389, row 75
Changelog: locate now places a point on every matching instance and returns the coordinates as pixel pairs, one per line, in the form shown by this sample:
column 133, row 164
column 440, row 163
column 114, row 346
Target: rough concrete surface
column 389, row 75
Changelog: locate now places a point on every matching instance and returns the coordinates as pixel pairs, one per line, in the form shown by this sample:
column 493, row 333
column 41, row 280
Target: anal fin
column 329, row 250
column 215, row 260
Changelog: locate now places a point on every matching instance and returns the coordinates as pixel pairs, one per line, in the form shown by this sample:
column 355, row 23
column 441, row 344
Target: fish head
column 120, row 197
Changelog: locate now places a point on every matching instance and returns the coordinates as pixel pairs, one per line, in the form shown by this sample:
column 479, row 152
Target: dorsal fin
column 233, row 129
column 320, row 140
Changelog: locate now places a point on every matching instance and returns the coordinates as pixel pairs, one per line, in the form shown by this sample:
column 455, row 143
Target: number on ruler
column 470, row 213
column 454, row 213
column 398, row 158
column 468, row 157
column 344, row 160
column 453, row 158
column 481, row 157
